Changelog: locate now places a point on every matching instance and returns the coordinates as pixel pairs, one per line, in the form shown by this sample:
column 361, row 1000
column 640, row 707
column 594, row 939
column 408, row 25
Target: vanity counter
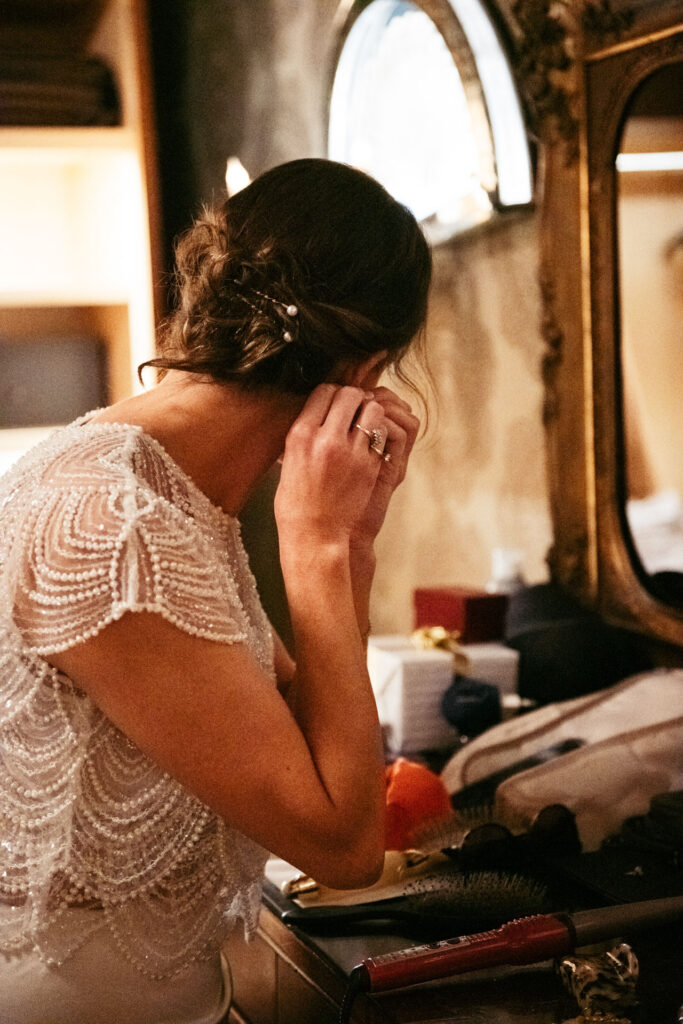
column 285, row 976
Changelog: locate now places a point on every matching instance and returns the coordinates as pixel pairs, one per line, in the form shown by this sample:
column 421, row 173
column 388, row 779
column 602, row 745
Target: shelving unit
column 78, row 224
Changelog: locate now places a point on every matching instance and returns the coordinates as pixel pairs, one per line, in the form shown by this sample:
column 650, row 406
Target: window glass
column 446, row 140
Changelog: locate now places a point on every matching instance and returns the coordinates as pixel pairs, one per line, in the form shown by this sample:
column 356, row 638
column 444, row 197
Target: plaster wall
column 477, row 478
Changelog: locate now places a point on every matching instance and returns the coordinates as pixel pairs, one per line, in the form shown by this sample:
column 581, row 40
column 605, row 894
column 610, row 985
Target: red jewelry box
column 475, row 614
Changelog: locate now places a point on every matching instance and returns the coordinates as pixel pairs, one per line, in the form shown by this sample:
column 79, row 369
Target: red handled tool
column 525, row 941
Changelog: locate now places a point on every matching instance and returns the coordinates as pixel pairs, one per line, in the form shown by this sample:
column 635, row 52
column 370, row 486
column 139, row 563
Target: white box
column 409, row 684
column 493, row 663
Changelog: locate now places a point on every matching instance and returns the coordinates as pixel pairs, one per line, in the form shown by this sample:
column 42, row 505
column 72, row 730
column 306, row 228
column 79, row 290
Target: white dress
column 109, row 868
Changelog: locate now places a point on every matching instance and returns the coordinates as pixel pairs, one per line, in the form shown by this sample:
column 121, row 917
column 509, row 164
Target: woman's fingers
column 344, row 409
column 371, row 435
column 387, row 397
column 338, row 407
column 317, row 405
column 332, row 407
column 402, row 427
column 409, row 424
column 371, row 428
column 328, row 472
column 398, row 409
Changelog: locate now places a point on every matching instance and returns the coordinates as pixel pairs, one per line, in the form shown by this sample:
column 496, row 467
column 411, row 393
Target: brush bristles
column 478, row 900
column 450, row 832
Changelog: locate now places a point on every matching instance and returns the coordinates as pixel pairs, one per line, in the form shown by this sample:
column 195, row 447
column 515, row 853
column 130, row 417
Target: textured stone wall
column 249, row 78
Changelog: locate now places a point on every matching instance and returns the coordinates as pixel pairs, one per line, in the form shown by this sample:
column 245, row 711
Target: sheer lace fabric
column 96, row 521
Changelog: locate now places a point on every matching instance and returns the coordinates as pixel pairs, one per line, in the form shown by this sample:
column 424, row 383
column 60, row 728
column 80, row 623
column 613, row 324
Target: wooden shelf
column 78, row 216
column 62, row 145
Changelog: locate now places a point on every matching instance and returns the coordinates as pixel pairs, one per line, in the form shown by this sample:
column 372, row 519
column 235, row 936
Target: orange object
column 416, row 797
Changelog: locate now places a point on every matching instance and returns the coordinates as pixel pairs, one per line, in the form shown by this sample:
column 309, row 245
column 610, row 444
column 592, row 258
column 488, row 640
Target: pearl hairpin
column 290, row 309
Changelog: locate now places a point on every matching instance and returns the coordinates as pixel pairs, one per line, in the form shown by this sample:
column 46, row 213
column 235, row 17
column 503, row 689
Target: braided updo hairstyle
column 311, row 265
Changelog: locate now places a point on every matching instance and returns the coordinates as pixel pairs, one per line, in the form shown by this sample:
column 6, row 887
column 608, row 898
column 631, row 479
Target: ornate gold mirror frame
column 612, row 53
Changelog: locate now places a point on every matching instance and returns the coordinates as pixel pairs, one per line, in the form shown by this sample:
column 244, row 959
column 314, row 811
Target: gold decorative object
column 604, row 985
column 431, row 637
column 548, row 44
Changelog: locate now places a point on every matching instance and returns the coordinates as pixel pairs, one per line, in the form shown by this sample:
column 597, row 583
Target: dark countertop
column 290, row 977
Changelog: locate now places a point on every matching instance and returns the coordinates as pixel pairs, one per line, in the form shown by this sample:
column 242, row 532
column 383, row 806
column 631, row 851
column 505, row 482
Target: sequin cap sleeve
column 108, row 531
column 95, row 522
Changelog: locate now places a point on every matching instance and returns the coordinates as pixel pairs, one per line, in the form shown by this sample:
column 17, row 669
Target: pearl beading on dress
column 96, row 521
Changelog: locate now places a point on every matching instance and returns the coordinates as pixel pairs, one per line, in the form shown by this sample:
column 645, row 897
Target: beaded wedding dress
column 96, row 521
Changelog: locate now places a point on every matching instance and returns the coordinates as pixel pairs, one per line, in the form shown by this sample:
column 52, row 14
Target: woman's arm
column 285, row 666
column 206, row 713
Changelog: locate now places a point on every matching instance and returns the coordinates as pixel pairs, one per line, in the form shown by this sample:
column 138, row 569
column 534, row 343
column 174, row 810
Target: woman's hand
column 402, row 427
column 335, row 489
column 330, row 475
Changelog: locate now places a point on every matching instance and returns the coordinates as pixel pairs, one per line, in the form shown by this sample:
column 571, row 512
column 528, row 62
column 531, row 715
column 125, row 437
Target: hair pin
column 290, row 309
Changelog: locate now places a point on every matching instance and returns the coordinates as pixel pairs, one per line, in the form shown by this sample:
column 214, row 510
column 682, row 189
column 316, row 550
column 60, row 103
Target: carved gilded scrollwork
column 567, row 562
column 549, row 41
column 554, row 339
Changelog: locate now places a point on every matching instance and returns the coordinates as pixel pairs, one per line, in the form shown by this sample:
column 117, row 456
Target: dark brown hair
column 312, row 234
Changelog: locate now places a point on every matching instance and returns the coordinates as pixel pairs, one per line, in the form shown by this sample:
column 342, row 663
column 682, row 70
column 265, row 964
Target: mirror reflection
column 650, row 255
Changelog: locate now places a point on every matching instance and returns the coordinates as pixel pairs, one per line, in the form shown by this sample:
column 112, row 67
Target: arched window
column 424, row 100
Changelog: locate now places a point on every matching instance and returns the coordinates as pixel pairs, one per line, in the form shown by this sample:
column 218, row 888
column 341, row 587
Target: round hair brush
column 433, row 906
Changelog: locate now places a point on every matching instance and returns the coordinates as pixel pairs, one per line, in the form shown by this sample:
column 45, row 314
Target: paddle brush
column 433, row 906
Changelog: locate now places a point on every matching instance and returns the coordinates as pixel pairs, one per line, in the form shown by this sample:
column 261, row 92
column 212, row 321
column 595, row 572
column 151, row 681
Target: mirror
column 649, row 171
column 612, row 302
